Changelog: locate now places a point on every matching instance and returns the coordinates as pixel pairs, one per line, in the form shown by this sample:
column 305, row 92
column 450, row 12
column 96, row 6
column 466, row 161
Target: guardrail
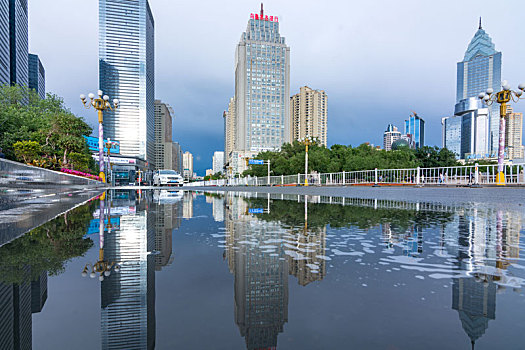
column 457, row 175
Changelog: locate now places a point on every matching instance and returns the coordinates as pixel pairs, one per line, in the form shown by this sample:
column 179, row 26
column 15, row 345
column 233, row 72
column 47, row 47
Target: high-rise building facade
column 126, row 53
column 176, row 153
column 5, row 54
column 308, row 115
column 415, row 127
column 466, row 133
column 390, row 136
column 37, row 76
column 480, row 70
column 19, row 41
column 513, row 134
column 262, row 86
column 229, row 129
column 187, row 164
column 163, row 135
column 451, row 134
column 218, row 162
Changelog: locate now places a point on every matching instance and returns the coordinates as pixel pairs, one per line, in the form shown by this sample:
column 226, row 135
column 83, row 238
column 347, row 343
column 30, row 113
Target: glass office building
column 480, row 70
column 37, row 76
column 19, row 46
column 5, row 65
column 415, row 127
column 126, row 53
column 451, row 134
column 262, row 86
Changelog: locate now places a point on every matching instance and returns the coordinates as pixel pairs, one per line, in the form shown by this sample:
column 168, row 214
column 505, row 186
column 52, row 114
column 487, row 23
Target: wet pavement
column 256, row 270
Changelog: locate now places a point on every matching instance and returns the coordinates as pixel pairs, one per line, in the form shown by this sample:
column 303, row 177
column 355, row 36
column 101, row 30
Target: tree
column 27, row 151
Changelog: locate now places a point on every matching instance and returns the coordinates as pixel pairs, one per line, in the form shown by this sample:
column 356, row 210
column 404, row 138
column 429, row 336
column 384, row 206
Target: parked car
column 167, row 178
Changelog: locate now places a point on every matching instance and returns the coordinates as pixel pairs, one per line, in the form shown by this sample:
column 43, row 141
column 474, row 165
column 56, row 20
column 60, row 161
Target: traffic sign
column 256, row 161
column 256, row 211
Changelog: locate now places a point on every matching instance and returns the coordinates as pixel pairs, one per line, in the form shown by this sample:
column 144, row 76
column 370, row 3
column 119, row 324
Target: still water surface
column 247, row 271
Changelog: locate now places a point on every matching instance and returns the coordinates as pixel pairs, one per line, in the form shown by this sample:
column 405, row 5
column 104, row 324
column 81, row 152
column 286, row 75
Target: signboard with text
column 256, row 211
column 93, row 145
column 256, row 161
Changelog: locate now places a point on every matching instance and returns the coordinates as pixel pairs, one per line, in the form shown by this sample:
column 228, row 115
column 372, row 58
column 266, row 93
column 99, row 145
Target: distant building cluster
column 262, row 116
column 17, row 65
column 414, row 136
column 473, row 131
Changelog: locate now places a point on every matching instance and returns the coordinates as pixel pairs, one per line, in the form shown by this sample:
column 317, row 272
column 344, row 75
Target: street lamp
column 109, row 145
column 307, row 141
column 101, row 266
column 503, row 97
column 100, row 104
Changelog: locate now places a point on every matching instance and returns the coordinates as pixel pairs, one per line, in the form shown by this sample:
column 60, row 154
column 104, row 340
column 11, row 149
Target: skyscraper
column 474, row 128
column 126, row 53
column 451, row 134
column 390, row 135
column 262, row 86
column 480, row 70
column 415, row 127
column 37, row 76
column 5, row 54
column 229, row 129
column 18, row 41
column 176, row 154
column 513, row 134
column 308, row 114
column 163, row 135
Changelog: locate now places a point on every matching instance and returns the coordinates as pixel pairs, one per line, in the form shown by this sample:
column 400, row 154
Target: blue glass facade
column 5, row 55
column 415, row 126
column 452, row 134
column 480, row 70
column 37, row 76
column 262, row 87
column 19, row 45
column 127, row 63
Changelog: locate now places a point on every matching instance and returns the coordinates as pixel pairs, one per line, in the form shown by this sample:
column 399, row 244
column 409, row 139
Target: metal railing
column 456, row 175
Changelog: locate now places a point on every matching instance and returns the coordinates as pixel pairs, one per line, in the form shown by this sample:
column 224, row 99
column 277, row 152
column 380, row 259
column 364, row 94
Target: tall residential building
column 5, row 54
column 390, row 135
column 415, row 127
column 262, row 86
column 513, row 134
column 218, row 162
column 229, row 129
column 308, row 114
column 126, row 53
column 466, row 133
column 480, row 70
column 37, row 76
column 163, row 135
column 187, row 164
column 18, row 42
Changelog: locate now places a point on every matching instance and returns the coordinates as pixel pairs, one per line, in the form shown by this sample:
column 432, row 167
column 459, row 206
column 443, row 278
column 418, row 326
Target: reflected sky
column 174, row 269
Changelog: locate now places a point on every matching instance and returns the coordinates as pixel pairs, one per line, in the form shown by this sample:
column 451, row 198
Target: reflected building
column 128, row 297
column 311, row 245
column 17, row 304
column 218, row 209
column 187, row 205
column 261, row 277
column 168, row 218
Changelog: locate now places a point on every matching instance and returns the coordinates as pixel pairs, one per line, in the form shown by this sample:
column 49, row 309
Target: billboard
column 93, row 145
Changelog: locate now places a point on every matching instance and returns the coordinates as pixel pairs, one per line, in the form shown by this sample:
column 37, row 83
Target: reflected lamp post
column 101, row 266
column 503, row 97
column 100, row 104
column 307, row 141
column 109, row 145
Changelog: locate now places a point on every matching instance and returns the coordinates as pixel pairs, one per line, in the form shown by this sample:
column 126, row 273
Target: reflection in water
column 267, row 239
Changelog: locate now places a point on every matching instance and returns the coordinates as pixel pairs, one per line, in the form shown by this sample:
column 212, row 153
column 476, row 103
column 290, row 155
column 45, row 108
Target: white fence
column 457, row 175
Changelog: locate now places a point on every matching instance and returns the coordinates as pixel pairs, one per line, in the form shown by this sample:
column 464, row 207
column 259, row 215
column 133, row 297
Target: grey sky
column 377, row 60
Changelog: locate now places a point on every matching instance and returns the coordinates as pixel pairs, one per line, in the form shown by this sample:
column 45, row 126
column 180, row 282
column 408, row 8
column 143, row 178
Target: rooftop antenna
column 480, row 23
column 262, row 10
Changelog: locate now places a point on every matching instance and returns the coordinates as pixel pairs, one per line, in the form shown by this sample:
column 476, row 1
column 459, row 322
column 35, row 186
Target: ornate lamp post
column 101, row 266
column 110, row 144
column 100, row 104
column 503, row 97
column 307, row 141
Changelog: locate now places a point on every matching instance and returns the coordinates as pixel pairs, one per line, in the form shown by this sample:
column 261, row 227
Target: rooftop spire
column 262, row 10
column 480, row 23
